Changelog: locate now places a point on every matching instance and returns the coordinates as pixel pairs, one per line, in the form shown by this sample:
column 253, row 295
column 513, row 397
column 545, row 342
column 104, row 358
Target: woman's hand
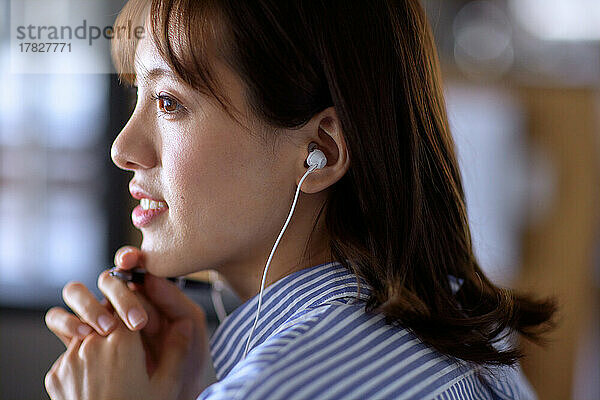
column 164, row 309
column 113, row 367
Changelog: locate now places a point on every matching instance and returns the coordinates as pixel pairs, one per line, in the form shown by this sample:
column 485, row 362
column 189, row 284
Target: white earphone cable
column 262, row 285
column 216, row 295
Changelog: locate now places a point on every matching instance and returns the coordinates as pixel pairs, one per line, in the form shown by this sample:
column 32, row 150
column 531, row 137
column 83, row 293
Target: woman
column 374, row 290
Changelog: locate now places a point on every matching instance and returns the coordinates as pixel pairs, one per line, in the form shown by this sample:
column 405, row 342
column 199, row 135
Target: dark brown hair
column 399, row 212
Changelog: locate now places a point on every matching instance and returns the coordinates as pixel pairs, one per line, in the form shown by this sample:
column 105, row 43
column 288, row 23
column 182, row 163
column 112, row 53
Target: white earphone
column 316, row 160
column 316, row 157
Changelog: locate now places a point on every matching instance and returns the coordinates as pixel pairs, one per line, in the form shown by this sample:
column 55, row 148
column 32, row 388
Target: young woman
column 373, row 291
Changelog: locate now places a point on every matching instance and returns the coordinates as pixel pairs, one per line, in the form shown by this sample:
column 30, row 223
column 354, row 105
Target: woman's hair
column 399, row 213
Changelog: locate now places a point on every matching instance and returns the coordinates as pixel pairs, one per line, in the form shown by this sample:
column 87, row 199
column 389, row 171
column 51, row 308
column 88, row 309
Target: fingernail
column 105, row 323
column 84, row 330
column 124, row 254
column 136, row 317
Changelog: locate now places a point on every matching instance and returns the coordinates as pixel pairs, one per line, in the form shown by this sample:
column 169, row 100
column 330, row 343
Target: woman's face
column 224, row 194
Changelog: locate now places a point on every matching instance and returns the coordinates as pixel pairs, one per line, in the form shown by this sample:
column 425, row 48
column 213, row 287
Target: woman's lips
column 142, row 217
column 149, row 207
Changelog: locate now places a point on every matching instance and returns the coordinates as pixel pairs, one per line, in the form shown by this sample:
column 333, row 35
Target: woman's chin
column 161, row 264
column 165, row 264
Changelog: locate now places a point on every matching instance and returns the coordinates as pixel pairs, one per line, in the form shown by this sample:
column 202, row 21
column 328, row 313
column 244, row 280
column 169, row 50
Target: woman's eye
column 167, row 104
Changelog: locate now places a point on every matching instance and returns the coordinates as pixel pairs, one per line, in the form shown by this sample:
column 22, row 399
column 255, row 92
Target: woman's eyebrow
column 155, row 74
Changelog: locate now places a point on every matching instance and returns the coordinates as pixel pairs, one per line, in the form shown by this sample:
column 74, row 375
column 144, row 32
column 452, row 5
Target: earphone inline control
column 316, row 160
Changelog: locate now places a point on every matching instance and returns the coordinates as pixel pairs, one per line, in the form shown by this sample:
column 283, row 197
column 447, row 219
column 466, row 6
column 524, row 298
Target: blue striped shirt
column 314, row 340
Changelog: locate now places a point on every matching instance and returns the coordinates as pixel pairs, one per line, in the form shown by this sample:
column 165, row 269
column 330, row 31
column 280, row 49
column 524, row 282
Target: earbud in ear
column 317, row 159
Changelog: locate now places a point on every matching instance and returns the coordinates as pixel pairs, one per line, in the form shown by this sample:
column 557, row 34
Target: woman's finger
column 153, row 325
column 124, row 300
column 128, row 257
column 154, row 319
column 88, row 308
column 106, row 304
column 65, row 325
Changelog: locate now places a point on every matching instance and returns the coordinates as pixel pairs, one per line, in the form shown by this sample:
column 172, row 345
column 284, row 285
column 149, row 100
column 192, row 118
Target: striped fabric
column 314, row 340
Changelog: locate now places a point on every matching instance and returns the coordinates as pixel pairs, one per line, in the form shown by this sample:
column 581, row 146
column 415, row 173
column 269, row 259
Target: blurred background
column 522, row 83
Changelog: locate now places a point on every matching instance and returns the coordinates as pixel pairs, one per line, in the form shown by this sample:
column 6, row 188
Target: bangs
column 186, row 34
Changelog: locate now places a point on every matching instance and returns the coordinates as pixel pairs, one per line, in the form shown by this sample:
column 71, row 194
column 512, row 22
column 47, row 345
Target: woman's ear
column 326, row 135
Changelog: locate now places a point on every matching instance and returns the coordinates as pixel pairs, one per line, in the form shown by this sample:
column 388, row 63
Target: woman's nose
column 133, row 149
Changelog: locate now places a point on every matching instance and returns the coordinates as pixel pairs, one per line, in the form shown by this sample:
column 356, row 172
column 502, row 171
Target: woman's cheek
column 194, row 190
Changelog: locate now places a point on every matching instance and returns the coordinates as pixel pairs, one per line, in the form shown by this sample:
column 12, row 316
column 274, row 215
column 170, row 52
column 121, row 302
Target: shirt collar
column 281, row 300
